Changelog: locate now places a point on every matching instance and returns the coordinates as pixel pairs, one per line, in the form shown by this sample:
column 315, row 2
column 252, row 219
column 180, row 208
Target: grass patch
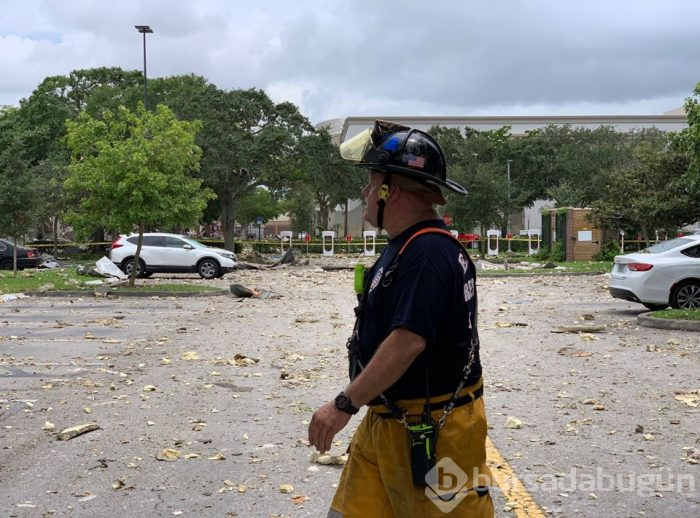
column 568, row 267
column 28, row 281
column 678, row 314
column 68, row 279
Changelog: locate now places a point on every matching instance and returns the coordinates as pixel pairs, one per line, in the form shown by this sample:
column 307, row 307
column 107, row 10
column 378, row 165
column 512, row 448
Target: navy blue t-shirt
column 432, row 293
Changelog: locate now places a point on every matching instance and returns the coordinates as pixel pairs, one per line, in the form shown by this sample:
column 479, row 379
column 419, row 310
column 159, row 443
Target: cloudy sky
column 377, row 57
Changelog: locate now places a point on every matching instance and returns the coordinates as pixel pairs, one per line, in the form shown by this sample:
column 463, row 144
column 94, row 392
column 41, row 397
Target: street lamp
column 508, row 231
column 144, row 29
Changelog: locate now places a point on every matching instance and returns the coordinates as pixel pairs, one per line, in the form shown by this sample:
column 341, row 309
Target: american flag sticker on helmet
column 416, row 161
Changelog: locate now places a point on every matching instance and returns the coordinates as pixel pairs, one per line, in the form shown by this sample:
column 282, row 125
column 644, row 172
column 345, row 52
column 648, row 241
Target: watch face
column 344, row 403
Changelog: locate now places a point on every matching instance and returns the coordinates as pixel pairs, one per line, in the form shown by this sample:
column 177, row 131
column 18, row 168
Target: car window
column 693, row 251
column 3, row 246
column 195, row 244
column 665, row 246
column 174, row 242
column 147, row 240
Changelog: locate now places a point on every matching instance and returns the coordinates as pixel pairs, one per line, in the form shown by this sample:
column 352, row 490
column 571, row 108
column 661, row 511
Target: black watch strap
column 344, row 404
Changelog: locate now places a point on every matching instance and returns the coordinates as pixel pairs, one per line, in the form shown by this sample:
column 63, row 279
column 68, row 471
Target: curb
column 114, row 294
column 647, row 320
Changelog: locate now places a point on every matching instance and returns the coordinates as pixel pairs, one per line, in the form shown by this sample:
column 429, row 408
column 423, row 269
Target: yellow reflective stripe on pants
column 377, row 482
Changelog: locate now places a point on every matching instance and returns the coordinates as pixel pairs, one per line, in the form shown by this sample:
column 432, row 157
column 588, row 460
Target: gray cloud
column 364, row 57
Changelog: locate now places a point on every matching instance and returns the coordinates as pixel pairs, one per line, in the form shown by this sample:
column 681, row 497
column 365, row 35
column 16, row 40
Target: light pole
column 508, row 231
column 144, row 29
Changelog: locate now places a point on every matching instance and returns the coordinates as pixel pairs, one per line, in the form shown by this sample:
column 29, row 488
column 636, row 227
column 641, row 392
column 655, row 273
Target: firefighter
column 414, row 358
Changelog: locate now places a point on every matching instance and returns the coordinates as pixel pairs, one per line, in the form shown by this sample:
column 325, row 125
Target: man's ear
column 395, row 192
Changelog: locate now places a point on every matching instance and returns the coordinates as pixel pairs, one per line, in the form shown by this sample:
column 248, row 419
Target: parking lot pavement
column 228, row 385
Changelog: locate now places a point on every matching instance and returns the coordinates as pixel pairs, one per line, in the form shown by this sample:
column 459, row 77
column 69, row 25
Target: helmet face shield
column 382, row 136
column 355, row 148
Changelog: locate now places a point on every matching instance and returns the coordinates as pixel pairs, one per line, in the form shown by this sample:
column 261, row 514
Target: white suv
column 170, row 253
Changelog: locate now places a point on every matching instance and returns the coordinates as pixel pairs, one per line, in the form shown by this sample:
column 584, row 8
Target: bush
column 609, row 251
column 542, row 255
column 558, row 254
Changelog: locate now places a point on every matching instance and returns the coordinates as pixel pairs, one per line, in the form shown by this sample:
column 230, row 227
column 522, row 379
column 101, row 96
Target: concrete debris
column 513, row 423
column 168, row 455
column 286, row 488
column 74, row 431
column 581, row 328
column 692, row 455
column 326, row 459
column 103, row 268
column 691, row 398
column 239, row 290
column 49, row 262
column 9, row 297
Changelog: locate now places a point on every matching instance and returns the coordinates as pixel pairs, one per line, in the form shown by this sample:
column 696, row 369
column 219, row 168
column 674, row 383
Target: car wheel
column 208, row 269
column 654, row 307
column 6, row 265
column 140, row 268
column 686, row 295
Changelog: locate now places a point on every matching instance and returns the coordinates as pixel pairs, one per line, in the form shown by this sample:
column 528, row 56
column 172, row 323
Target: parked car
column 161, row 253
column 665, row 274
column 26, row 257
column 462, row 236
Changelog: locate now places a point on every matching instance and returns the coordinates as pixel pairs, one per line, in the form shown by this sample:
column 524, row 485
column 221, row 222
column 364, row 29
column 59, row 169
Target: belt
column 463, row 400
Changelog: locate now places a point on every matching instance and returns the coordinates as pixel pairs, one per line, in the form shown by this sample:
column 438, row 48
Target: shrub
column 558, row 254
column 609, row 251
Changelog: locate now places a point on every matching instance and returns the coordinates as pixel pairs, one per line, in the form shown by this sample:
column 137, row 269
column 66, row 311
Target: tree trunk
column 645, row 235
column 137, row 256
column 346, row 217
column 14, row 255
column 324, row 212
column 55, row 237
column 228, row 220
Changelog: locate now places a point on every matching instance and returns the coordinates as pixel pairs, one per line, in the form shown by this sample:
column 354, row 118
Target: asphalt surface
column 603, row 432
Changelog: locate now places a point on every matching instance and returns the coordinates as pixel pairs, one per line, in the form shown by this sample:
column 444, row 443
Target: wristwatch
column 344, row 404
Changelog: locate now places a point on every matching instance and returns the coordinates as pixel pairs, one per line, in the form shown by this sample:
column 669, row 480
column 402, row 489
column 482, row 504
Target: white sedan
column 665, row 274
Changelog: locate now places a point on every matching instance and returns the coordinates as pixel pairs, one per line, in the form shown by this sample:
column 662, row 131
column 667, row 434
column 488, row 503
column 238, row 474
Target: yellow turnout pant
column 377, row 483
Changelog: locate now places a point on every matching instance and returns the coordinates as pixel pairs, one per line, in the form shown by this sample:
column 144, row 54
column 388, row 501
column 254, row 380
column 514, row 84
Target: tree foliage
column 134, row 170
column 688, row 141
column 477, row 160
column 323, row 176
column 20, row 195
column 259, row 203
column 650, row 195
column 247, row 140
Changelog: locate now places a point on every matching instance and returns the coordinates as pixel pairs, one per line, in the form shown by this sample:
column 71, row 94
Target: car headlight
column 227, row 256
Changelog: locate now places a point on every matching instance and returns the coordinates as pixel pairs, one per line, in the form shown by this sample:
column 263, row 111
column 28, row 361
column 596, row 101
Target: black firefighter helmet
column 394, row 148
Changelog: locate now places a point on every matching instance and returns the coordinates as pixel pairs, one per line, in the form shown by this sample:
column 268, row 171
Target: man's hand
column 325, row 423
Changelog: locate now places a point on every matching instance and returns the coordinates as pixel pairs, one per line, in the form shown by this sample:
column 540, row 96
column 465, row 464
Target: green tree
column 247, row 140
column 132, row 170
column 261, row 203
column 322, row 172
column 477, row 160
column 688, row 141
column 20, row 197
column 651, row 195
column 42, row 117
column 300, row 206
